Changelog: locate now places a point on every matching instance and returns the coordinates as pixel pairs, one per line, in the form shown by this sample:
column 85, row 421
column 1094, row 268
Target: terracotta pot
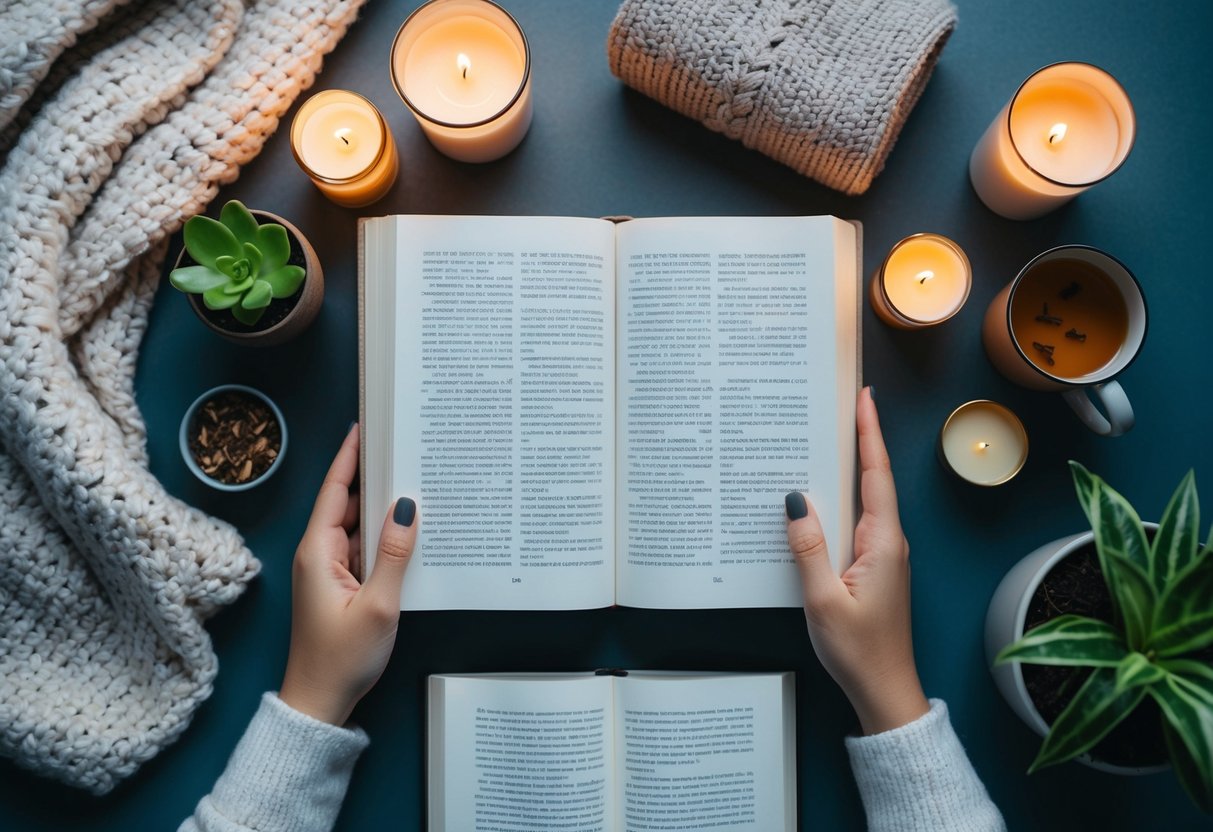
column 308, row 299
column 1005, row 624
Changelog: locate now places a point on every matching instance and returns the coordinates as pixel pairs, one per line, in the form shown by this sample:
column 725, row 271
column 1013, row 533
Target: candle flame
column 923, row 276
column 981, row 446
column 343, row 134
column 1057, row 132
column 464, row 63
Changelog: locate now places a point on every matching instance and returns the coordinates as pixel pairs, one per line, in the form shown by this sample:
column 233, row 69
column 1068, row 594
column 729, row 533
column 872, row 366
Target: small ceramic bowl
column 192, row 464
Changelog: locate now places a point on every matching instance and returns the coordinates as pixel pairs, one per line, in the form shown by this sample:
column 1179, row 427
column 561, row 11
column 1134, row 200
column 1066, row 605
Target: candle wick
column 344, row 139
column 465, row 72
column 924, row 275
column 984, row 445
column 1057, row 132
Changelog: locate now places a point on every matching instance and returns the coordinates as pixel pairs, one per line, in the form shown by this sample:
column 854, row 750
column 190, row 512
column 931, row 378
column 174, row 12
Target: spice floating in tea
column 1046, row 350
column 1074, row 335
column 1045, row 318
column 1070, row 291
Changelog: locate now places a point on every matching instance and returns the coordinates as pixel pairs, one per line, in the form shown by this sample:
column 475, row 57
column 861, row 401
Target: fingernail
column 795, row 505
column 405, row 512
column 872, row 392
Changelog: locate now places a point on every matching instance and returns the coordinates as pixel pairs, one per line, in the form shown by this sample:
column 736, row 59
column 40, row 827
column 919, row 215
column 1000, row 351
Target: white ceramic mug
column 1012, row 361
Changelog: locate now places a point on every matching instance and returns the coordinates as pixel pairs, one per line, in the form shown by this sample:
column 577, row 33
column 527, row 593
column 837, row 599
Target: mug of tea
column 1070, row 321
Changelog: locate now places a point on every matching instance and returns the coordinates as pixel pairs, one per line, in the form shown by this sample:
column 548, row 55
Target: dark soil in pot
column 234, row 437
column 275, row 313
column 1076, row 585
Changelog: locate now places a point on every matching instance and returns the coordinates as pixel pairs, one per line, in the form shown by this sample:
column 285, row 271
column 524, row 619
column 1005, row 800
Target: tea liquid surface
column 1069, row 318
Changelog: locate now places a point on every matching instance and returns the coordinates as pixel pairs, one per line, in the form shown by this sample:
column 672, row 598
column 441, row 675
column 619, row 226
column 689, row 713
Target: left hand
column 342, row 632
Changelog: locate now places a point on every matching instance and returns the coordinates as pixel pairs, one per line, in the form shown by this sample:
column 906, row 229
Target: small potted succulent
column 233, row 437
column 1118, row 648
column 251, row 282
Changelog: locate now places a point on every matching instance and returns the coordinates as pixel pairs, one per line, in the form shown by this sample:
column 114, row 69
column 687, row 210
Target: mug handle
column 1114, row 401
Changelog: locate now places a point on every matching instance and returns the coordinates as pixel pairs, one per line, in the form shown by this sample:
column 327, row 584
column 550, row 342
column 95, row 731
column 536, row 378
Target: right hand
column 860, row 623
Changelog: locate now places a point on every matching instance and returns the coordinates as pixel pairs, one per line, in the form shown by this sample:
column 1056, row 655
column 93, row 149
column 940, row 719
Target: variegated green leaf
column 1183, row 619
column 1094, row 711
column 1085, row 484
column 1068, row 640
column 275, row 246
column 1194, row 675
column 1187, row 770
column 1136, row 670
column 207, row 239
column 1186, row 706
column 1175, row 543
column 238, row 219
column 1135, row 598
column 1119, row 531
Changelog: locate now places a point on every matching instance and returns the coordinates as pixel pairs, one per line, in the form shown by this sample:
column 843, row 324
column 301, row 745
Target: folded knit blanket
column 118, row 120
column 823, row 86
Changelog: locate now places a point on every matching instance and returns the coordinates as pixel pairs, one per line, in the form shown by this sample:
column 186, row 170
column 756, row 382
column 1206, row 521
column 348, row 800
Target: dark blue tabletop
column 595, row 149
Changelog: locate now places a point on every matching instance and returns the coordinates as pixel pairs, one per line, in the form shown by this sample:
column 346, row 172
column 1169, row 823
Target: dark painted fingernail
column 405, row 512
column 795, row 505
column 872, row 392
column 351, row 427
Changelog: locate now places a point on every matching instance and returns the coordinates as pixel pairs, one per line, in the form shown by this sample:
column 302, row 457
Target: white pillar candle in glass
column 924, row 280
column 984, row 443
column 464, row 68
column 342, row 142
column 1068, row 126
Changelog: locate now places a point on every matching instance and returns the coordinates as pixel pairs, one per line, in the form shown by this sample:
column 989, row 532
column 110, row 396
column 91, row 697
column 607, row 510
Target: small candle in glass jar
column 345, row 147
column 924, row 280
column 984, row 443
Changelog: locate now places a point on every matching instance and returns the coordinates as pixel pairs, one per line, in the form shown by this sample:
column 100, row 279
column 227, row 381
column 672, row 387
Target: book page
column 705, row 752
column 521, row 754
column 736, row 355
column 503, row 410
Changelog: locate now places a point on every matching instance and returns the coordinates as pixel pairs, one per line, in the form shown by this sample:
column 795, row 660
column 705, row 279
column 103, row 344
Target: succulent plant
column 1158, row 644
column 241, row 265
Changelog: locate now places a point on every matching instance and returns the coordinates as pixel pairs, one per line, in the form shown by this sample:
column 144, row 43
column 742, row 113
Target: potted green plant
column 251, row 281
column 1143, row 656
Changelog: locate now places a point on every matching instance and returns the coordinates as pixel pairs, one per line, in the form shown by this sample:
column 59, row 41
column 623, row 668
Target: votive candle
column 924, row 280
column 984, row 443
column 463, row 67
column 1068, row 126
column 345, row 147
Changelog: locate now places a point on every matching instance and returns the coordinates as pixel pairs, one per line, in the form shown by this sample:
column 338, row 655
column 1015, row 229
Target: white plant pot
column 1005, row 624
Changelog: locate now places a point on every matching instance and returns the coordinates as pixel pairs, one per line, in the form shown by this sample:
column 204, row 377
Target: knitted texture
column 823, row 86
column 916, row 778
column 117, row 122
column 289, row 773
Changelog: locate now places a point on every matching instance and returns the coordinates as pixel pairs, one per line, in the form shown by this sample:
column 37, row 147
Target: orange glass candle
column 345, row 147
column 924, row 280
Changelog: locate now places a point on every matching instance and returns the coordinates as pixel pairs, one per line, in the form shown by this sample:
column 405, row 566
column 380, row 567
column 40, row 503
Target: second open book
column 592, row 413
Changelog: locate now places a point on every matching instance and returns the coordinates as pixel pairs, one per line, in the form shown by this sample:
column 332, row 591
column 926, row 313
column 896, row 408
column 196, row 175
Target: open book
column 592, row 413
column 608, row 752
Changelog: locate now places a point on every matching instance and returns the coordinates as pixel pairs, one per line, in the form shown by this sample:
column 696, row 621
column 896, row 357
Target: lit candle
column 984, row 443
column 464, row 68
column 1068, row 126
column 342, row 142
column 924, row 280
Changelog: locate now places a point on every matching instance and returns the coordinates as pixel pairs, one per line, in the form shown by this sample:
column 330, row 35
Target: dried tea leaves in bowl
column 235, row 437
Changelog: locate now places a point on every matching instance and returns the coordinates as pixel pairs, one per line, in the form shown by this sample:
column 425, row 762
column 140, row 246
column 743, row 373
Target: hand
column 342, row 633
column 860, row 623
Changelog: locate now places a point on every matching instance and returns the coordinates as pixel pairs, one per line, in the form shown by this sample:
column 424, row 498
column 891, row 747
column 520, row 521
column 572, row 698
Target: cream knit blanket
column 118, row 120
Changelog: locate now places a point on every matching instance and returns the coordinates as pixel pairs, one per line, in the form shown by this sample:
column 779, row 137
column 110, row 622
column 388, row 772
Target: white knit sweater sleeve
column 289, row 772
column 917, row 777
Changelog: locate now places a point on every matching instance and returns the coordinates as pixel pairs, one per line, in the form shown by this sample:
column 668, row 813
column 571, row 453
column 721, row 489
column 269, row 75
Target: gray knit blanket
column 118, row 121
column 823, row 86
